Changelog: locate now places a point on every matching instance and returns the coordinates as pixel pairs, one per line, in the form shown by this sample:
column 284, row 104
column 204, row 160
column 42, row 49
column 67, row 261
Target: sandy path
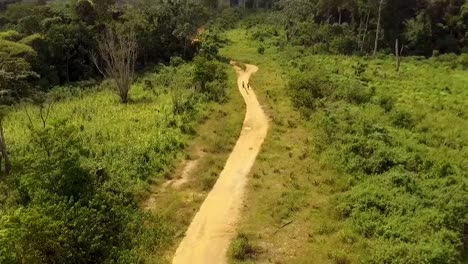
column 207, row 239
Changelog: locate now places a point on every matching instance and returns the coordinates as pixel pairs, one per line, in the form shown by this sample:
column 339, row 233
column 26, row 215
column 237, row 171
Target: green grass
column 304, row 174
column 215, row 136
column 280, row 189
column 139, row 145
column 125, row 139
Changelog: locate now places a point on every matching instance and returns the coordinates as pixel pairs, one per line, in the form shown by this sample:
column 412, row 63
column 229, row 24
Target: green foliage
column 261, row 50
column 15, row 74
column 348, row 27
column 15, row 49
column 381, row 158
column 241, row 249
column 418, row 34
column 212, row 78
column 76, row 182
column 308, row 90
column 10, row 35
column 176, row 61
column 74, row 212
column 402, row 153
column 63, row 35
column 226, row 19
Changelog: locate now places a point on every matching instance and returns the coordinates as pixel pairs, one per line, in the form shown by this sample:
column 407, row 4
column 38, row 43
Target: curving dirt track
column 214, row 226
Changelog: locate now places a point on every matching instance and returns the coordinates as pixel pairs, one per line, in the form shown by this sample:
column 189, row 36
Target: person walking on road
column 245, row 88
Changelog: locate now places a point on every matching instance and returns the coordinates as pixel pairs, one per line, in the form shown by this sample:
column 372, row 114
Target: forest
column 365, row 160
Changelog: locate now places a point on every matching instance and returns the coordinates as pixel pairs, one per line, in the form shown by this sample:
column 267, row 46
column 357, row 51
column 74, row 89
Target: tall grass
column 82, row 171
column 377, row 157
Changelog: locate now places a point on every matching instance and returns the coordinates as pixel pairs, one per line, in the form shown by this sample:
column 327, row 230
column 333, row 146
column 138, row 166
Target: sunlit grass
column 290, row 182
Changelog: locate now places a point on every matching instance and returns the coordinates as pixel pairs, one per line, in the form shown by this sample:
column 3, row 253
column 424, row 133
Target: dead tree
column 365, row 31
column 377, row 31
column 398, row 52
column 118, row 53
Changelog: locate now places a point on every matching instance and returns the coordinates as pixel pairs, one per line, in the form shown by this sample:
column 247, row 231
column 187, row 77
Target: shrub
column 386, row 102
column 241, row 249
column 360, row 68
column 261, row 50
column 463, row 61
column 451, row 60
column 183, row 103
column 74, row 211
column 10, row 35
column 308, row 89
column 343, row 44
column 402, row 119
column 355, row 93
column 176, row 61
column 216, row 91
column 212, row 78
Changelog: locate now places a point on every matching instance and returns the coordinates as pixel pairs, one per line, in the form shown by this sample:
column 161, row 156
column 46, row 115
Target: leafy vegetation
column 241, row 249
column 373, row 169
column 81, row 162
column 375, row 157
column 62, row 35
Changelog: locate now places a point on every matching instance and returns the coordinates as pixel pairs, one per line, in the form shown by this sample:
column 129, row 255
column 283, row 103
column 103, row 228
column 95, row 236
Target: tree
column 204, row 71
column 69, row 45
column 377, row 31
column 84, row 9
column 418, row 35
column 118, row 52
column 14, row 75
column 103, row 9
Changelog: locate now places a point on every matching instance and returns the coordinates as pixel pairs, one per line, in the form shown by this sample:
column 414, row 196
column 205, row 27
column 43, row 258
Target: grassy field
column 350, row 175
column 214, row 140
column 280, row 189
column 140, row 145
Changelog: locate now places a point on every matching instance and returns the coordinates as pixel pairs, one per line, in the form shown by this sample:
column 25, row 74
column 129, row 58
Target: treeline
column 50, row 44
column 423, row 27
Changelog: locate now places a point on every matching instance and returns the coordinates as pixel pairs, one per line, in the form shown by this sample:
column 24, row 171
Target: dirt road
column 207, row 239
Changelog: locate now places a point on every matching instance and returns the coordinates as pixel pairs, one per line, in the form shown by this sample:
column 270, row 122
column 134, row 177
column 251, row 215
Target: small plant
column 387, row 103
column 326, row 229
column 339, row 257
column 403, row 119
column 241, row 249
column 261, row 50
column 360, row 68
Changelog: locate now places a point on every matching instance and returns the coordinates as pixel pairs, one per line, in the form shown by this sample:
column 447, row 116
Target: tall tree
column 377, row 31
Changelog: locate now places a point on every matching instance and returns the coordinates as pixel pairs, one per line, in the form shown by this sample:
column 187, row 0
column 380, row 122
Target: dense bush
column 405, row 196
column 308, row 89
column 76, row 182
column 226, row 19
column 63, row 35
column 73, row 211
column 212, row 78
column 261, row 50
column 241, row 249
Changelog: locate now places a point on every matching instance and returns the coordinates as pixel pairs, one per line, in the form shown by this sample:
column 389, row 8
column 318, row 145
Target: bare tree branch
column 118, row 54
